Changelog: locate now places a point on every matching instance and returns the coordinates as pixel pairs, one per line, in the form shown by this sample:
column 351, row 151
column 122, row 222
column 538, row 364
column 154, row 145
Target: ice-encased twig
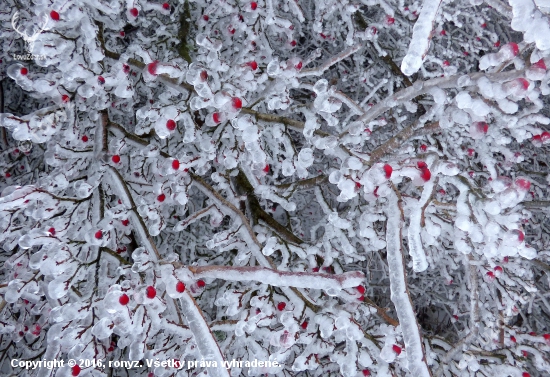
column 422, row 33
column 416, row 250
column 400, row 293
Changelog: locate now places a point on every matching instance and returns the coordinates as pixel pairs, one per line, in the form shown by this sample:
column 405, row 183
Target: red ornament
column 281, row 306
column 124, row 299
column 150, row 292
column 98, row 234
column 134, row 12
column 24, row 71
column 161, row 198
column 75, row 370
column 388, row 170
column 180, row 287
column 201, row 284
column 116, row 158
column 396, row 349
column 175, row 164
column 85, row 138
column 54, row 15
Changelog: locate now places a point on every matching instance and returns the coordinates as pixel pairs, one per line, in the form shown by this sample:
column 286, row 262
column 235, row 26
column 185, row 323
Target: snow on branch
column 329, row 62
column 400, row 292
column 281, row 278
column 422, row 33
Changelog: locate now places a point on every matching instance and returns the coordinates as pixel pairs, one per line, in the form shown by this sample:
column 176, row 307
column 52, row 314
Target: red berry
column 373, row 30
column 253, row 65
column 85, row 138
column 293, row 43
column 491, row 275
column 52, row 231
column 124, row 299
column 442, row 32
column 521, row 236
column 24, row 71
column 101, row 80
column 125, row 68
column 497, row 44
column 366, row 372
column 513, row 47
column 205, row 17
column 523, row 184
column 546, row 336
column 231, row 30
column 360, row 289
column 54, row 15
column 8, row 175
column 446, row 63
column 484, row 25
column 65, row 98
column 532, row 333
column 237, row 103
column 116, row 158
column 498, row 269
column 75, row 370
column 175, row 164
column 281, row 306
column 513, row 339
column 216, row 118
column 204, row 76
column 134, row 12
column 426, row 175
column 396, row 349
column 150, row 292
column 390, row 20
column 171, row 124
column 421, row 165
column 201, row 284
column 152, row 67
column 304, row 325
column 525, row 374
column 253, row 5
column 180, row 287
column 471, row 152
column 98, row 234
column 166, row 6
column 298, row 66
column 540, row 64
column 388, row 170
column 161, row 198
column 423, row 147
column 126, row 222
column 266, row 169
column 122, row 34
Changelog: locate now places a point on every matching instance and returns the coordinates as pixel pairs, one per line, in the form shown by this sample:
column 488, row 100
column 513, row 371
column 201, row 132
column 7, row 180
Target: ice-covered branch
column 329, row 62
column 422, row 33
column 416, row 250
column 281, row 278
column 400, row 293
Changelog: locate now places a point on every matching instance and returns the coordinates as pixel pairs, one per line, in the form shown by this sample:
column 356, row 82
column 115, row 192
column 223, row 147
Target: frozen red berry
column 253, row 65
column 490, row 275
column 253, row 5
column 266, row 169
column 237, row 103
column 425, row 174
column 54, row 15
column 498, row 269
column 152, row 67
column 540, row 64
column 360, row 289
column 171, row 124
column 98, row 235
column 525, row 374
column 514, row 48
column 216, row 117
column 388, row 170
column 513, row 339
column 85, row 138
column 180, row 287
column 175, row 164
column 125, row 68
column 150, row 292
column 421, row 165
column 52, row 231
column 443, row 32
column 396, row 349
column 124, row 299
column 293, row 43
column 446, row 63
column 166, row 6
column 116, row 158
column 390, row 20
column 75, row 370
column 423, row 147
column 125, row 222
column 161, row 198
column 281, row 306
column 298, row 66
column 122, row 34
column 523, row 184
column 496, row 44
column 24, row 71
column 205, row 17
column 304, row 325
column 201, row 284
column 366, row 372
column 134, row 12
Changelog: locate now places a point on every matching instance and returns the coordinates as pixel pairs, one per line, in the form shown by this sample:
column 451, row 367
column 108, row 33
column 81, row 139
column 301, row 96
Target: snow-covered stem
column 400, row 296
column 276, row 278
column 317, row 71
